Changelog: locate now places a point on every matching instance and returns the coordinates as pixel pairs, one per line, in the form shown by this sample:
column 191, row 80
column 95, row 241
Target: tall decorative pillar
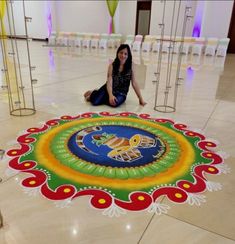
column 168, row 78
column 17, row 72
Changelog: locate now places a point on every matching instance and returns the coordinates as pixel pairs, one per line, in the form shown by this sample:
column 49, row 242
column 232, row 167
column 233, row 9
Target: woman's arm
column 137, row 89
column 112, row 98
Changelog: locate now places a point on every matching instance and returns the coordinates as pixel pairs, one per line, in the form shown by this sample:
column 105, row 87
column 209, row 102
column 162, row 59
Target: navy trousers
column 101, row 96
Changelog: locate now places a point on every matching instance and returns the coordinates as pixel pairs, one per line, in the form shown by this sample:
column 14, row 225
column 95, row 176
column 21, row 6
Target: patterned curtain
column 112, row 6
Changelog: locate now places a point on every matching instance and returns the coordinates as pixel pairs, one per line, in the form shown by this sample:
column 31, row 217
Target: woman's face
column 123, row 55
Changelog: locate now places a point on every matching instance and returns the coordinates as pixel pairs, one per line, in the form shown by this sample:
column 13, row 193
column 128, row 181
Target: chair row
column 85, row 40
column 196, row 46
column 208, row 46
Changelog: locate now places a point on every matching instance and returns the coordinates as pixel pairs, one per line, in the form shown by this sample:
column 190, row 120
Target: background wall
column 127, row 17
column 35, row 9
column 157, row 14
column 19, row 23
column 82, row 16
column 38, row 28
column 93, row 16
column 216, row 20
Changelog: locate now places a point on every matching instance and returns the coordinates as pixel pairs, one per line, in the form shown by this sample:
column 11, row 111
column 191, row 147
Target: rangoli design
column 123, row 161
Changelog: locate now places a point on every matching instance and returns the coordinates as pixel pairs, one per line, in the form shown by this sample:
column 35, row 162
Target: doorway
column 143, row 16
column 231, row 33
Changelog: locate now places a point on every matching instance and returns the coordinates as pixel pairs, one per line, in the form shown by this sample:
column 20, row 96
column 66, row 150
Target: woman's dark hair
column 128, row 63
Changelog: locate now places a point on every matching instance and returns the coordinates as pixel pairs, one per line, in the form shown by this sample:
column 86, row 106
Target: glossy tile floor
column 206, row 101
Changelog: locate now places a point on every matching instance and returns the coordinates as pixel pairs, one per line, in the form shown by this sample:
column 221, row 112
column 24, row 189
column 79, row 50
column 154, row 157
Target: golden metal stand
column 18, row 84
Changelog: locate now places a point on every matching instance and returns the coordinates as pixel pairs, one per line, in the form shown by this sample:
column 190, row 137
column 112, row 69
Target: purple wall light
column 198, row 19
column 49, row 18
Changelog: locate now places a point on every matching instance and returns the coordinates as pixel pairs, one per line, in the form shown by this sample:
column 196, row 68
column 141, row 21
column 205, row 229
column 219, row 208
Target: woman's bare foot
column 87, row 95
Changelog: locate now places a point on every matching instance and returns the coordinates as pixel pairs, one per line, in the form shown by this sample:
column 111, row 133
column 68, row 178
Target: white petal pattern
column 32, row 192
column 114, row 211
column 10, row 172
column 223, row 154
column 223, row 168
column 158, row 208
column 213, row 186
column 64, row 203
column 195, row 199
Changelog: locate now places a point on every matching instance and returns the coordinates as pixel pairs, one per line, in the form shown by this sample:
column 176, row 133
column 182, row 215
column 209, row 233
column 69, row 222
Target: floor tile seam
column 148, row 224
column 62, row 81
column 211, row 114
column 203, row 116
column 222, row 120
column 199, row 227
column 178, row 113
column 141, row 237
column 9, row 178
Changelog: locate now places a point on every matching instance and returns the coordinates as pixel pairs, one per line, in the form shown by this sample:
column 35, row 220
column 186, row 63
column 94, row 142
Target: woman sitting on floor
column 120, row 74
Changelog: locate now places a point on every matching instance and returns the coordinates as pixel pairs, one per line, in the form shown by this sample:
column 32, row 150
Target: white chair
column 166, row 44
column 211, row 46
column 187, row 45
column 147, row 43
column 95, row 40
column 118, row 40
column 176, row 44
column 78, row 39
column 111, row 40
column 198, row 46
column 71, row 39
column 52, row 38
column 86, row 41
column 219, row 62
column 222, row 47
column 137, row 43
column 129, row 40
column 103, row 41
column 156, row 44
column 64, row 39
column 60, row 39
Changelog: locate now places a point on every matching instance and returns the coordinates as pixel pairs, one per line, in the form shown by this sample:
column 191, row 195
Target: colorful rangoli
column 123, row 161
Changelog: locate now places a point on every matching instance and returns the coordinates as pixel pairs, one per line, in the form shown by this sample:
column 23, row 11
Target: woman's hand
column 112, row 100
column 142, row 102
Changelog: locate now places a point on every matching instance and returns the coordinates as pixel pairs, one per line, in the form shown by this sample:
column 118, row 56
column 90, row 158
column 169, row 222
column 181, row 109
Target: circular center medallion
column 116, row 146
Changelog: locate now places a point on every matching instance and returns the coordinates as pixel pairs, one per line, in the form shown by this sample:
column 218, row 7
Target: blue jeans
column 101, row 96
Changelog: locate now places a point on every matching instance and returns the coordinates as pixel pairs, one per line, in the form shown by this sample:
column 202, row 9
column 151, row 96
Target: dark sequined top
column 121, row 82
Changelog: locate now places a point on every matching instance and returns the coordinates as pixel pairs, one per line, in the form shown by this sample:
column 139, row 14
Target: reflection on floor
column 205, row 103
